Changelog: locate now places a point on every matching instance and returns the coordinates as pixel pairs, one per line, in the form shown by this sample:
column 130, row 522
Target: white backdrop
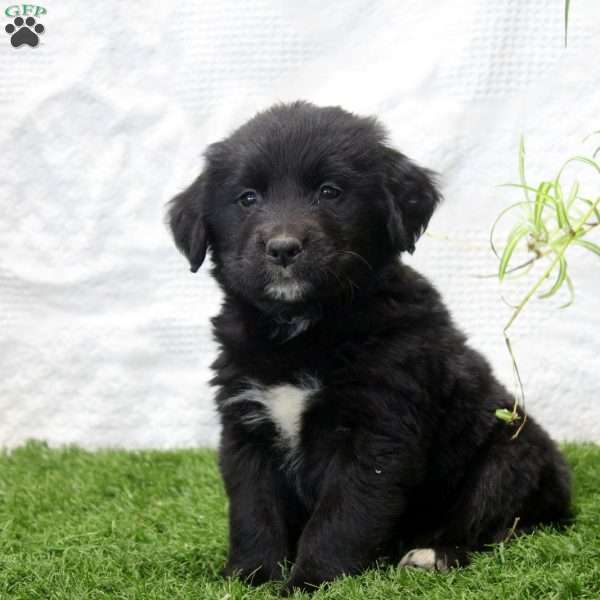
column 104, row 334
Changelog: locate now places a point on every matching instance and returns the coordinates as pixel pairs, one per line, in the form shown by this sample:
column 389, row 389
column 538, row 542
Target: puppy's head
column 302, row 204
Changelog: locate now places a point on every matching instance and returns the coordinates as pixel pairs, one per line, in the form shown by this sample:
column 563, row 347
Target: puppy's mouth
column 286, row 286
column 289, row 291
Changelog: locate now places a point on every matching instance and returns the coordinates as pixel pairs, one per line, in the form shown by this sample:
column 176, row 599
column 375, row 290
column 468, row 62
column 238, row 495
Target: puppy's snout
column 283, row 250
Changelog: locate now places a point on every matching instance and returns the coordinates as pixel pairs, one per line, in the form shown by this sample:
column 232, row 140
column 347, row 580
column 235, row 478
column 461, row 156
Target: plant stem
column 534, row 288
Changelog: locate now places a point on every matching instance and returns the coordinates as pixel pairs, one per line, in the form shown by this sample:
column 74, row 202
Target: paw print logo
column 24, row 32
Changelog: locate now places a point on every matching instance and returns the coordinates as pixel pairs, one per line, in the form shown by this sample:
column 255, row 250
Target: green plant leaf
column 587, row 137
column 519, row 271
column 545, row 196
column 561, row 209
column 573, row 194
column 529, row 188
column 560, row 279
column 594, row 205
column 498, row 219
column 588, row 245
column 567, row 8
column 583, row 159
column 593, row 209
column 522, row 167
column 516, row 235
column 506, row 415
column 571, row 293
column 541, row 197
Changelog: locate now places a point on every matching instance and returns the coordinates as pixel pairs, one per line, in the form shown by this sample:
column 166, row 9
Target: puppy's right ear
column 186, row 219
column 413, row 197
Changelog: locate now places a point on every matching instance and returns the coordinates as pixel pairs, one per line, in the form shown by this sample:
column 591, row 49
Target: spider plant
column 552, row 218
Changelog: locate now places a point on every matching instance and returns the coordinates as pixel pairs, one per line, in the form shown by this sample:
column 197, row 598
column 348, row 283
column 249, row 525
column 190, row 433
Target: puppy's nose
column 283, row 250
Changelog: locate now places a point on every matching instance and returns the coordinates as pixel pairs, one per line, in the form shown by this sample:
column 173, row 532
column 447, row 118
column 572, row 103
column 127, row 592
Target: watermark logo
column 25, row 29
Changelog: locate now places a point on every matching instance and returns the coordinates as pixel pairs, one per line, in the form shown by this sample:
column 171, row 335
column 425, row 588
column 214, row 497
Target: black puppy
column 357, row 424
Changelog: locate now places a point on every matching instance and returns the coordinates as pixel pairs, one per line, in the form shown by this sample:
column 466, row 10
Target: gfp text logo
column 24, row 29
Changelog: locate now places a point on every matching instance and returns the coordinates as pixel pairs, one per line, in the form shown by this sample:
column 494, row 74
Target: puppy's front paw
column 253, row 575
column 301, row 582
column 424, row 558
column 297, row 586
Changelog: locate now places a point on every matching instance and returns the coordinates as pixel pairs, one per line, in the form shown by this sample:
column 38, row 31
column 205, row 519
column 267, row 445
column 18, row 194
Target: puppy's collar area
column 284, row 326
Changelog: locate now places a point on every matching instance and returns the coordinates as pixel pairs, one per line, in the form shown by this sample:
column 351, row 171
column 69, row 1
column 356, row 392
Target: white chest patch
column 282, row 404
column 286, row 403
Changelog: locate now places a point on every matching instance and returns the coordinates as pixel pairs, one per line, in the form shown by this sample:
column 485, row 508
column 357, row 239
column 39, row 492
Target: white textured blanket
column 104, row 334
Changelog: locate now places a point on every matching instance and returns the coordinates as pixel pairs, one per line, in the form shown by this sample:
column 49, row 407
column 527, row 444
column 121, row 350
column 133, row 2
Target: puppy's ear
column 413, row 196
column 186, row 218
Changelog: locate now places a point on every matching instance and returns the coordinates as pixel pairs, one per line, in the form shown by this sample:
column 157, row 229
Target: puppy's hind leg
column 514, row 486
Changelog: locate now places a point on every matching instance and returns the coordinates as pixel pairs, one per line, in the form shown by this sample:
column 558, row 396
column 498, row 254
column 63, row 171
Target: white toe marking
column 423, row 558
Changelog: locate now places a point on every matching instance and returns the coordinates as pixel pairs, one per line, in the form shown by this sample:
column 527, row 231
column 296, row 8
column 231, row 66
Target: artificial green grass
column 117, row 524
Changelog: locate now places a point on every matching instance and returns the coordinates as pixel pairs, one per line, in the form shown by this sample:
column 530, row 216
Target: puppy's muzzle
column 283, row 250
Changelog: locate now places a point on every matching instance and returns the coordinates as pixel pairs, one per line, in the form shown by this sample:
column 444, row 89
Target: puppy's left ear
column 186, row 218
column 413, row 196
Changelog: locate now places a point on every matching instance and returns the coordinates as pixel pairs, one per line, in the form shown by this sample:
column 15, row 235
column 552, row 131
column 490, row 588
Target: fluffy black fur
column 397, row 446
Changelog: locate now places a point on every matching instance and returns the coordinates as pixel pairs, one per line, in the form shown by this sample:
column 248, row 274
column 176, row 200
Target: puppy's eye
column 248, row 198
column 329, row 192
